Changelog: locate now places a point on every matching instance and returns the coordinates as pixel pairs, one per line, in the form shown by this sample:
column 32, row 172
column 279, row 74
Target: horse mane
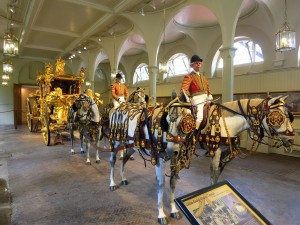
column 233, row 105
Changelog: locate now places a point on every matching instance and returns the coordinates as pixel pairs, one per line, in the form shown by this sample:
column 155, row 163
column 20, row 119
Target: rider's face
column 196, row 65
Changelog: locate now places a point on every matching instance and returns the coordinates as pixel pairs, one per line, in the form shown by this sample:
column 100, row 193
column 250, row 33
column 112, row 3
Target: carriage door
column 17, row 105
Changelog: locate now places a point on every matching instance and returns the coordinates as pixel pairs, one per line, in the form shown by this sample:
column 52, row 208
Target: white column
column 227, row 55
column 153, row 72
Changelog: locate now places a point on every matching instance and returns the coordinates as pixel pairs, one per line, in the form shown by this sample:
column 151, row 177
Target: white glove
column 210, row 97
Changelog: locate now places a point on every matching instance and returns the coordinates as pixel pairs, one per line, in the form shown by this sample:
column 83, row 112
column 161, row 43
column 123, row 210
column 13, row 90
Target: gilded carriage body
column 50, row 104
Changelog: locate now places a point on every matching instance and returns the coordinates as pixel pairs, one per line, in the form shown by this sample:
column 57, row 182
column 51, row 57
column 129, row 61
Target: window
column 177, row 65
column 141, row 73
column 247, row 52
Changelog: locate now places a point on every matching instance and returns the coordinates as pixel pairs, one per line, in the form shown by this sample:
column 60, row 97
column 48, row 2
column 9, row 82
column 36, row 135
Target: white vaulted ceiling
column 48, row 29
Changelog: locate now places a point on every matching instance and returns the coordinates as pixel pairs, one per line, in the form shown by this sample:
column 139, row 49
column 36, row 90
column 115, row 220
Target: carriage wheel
column 29, row 116
column 46, row 131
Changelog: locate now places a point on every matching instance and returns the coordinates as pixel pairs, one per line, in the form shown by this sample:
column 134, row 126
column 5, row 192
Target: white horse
column 220, row 136
column 261, row 117
column 85, row 114
column 124, row 131
column 173, row 141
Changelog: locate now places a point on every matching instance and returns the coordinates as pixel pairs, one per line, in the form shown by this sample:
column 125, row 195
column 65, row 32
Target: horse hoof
column 163, row 221
column 121, row 158
column 132, row 158
column 112, row 188
column 125, row 182
column 82, row 152
column 98, row 161
column 88, row 163
column 176, row 215
column 72, row 153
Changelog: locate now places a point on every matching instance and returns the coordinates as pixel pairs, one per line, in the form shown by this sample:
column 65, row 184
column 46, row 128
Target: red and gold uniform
column 194, row 84
column 119, row 93
column 119, row 90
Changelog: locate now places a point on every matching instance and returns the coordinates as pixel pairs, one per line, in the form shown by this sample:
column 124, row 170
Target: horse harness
column 91, row 126
column 254, row 116
column 184, row 129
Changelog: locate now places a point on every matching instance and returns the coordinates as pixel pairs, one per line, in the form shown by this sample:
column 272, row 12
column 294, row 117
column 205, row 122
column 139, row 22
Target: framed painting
column 219, row 204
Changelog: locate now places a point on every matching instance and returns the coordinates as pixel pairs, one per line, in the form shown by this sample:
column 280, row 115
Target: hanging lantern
column 163, row 67
column 5, row 77
column 163, row 64
column 10, row 45
column 7, row 67
column 4, row 83
column 285, row 37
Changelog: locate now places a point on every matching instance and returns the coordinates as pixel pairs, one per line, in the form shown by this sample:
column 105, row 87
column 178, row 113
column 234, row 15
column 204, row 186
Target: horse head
column 86, row 108
column 138, row 96
column 178, row 121
column 279, row 121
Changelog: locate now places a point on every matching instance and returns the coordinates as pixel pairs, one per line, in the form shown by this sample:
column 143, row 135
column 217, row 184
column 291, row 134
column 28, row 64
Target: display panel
column 219, row 204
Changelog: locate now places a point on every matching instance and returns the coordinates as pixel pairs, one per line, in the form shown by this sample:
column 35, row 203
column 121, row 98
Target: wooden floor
column 49, row 186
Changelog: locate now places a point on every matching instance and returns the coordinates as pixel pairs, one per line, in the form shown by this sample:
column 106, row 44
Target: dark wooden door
column 17, row 105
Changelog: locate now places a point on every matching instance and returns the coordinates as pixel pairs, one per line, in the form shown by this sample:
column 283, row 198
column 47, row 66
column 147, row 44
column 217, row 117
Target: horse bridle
column 137, row 92
column 82, row 98
column 274, row 119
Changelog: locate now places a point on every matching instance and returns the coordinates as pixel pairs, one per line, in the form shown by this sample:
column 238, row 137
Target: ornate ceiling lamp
column 7, row 67
column 163, row 63
column 114, row 72
column 10, row 43
column 285, row 37
column 7, row 71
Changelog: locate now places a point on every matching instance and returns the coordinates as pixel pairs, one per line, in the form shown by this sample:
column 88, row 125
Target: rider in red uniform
column 195, row 86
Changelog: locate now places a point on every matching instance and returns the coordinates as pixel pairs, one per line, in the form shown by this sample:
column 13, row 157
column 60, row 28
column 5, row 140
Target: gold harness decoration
column 213, row 137
column 255, row 113
column 119, row 124
column 275, row 118
column 156, row 126
column 185, row 134
column 187, row 123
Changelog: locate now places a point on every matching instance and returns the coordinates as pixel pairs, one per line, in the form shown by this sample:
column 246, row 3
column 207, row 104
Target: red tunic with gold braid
column 194, row 84
column 119, row 90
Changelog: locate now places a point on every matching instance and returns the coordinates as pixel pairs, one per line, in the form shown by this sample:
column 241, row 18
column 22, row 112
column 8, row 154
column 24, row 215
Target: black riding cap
column 196, row 58
column 119, row 76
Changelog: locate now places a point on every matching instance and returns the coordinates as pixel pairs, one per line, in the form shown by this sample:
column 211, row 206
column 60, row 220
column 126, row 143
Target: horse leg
column 121, row 154
column 112, row 161
column 173, row 179
column 98, row 134
column 81, row 143
column 160, row 177
column 71, row 130
column 214, row 167
column 88, row 146
column 126, row 155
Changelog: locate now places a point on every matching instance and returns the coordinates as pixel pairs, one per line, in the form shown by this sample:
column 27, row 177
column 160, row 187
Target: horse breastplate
column 213, row 138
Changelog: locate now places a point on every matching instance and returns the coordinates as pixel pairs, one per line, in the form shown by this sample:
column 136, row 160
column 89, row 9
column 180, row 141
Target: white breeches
column 117, row 103
column 199, row 101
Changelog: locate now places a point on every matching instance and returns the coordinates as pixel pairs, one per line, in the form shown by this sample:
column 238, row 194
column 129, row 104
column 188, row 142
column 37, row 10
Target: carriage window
column 141, row 73
column 67, row 86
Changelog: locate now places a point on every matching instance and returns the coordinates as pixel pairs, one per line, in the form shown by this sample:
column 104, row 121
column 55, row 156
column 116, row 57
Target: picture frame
column 219, row 204
column 292, row 102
